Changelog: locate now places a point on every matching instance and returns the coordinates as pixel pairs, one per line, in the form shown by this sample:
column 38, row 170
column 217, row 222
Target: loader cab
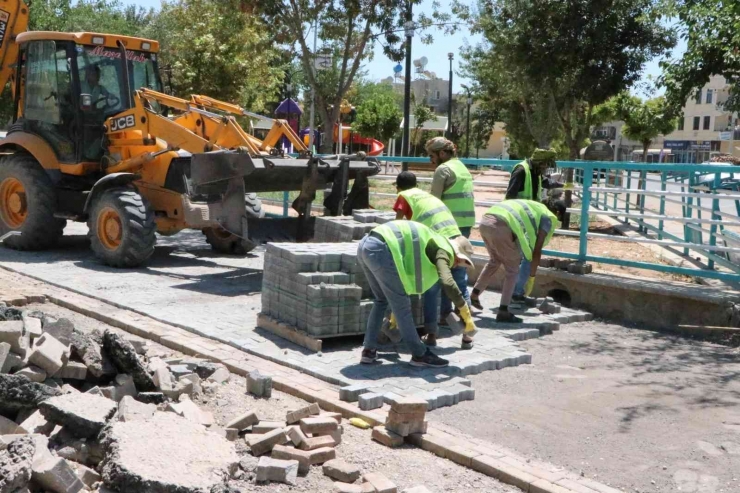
column 72, row 82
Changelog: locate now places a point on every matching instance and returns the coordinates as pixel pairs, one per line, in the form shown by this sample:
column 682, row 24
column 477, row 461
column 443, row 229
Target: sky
column 436, row 53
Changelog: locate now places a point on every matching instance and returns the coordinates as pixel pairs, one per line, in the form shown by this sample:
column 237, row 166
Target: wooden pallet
column 295, row 335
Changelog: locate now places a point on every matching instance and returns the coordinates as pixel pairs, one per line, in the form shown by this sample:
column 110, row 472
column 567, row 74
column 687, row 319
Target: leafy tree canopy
column 378, row 114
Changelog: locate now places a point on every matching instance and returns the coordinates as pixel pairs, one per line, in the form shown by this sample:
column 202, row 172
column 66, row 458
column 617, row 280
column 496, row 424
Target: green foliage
column 209, row 48
column 711, row 29
column 347, row 30
column 378, row 116
column 644, row 120
column 548, row 64
column 422, row 114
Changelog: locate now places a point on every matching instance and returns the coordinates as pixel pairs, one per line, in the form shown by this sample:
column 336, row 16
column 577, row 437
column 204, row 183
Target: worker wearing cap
column 452, row 182
column 417, row 205
column 513, row 230
column 403, row 258
column 527, row 182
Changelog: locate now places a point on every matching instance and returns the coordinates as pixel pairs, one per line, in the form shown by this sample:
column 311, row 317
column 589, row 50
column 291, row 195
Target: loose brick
column 56, row 475
column 406, row 429
column 297, row 415
column 370, row 401
column 296, row 435
column 409, row 405
column 351, row 393
column 387, row 437
column 281, row 471
column 380, row 483
column 266, row 426
column 321, row 455
column 12, row 333
column 337, row 416
column 262, row 444
column 395, row 417
column 318, row 425
column 32, row 372
column 341, row 471
column 259, row 385
column 243, row 421
column 290, row 453
column 318, row 442
column 49, row 354
column 73, row 370
column 351, row 488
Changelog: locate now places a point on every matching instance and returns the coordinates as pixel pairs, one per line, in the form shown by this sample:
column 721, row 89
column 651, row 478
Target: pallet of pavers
column 314, row 291
column 349, row 228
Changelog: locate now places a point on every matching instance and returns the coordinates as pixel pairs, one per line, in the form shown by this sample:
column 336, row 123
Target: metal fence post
column 585, row 206
column 286, row 200
column 662, row 203
column 715, row 216
column 627, row 199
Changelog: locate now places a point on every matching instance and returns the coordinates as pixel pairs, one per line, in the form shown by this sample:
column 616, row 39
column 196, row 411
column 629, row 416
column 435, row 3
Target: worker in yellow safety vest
column 417, row 205
column 403, row 258
column 452, row 182
column 527, row 182
column 513, row 230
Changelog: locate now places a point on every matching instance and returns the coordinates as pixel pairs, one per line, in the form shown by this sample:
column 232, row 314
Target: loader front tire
column 27, row 204
column 222, row 241
column 122, row 228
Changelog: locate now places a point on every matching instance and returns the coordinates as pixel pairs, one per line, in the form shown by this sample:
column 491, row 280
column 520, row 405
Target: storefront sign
column 725, row 136
column 676, row 145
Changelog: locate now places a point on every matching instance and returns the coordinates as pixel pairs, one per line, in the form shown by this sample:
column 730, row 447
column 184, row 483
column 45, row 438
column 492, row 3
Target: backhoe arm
column 13, row 21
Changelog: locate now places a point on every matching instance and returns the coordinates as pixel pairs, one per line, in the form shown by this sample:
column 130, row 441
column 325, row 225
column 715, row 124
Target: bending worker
column 527, row 182
column 513, row 230
column 417, row 205
column 453, row 185
column 402, row 258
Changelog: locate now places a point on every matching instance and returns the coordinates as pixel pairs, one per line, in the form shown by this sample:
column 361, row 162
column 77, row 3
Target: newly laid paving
column 187, row 285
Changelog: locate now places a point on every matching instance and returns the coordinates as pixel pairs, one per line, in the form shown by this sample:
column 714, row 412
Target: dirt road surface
column 634, row 409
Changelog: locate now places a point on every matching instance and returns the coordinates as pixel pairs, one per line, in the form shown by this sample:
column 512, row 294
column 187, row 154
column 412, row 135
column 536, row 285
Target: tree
column 378, row 117
column 554, row 61
column 711, row 29
column 481, row 128
column 206, row 49
column 347, row 31
column 422, row 114
column 644, row 120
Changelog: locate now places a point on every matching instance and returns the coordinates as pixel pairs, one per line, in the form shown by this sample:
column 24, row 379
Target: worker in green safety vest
column 403, row 258
column 513, row 230
column 417, row 205
column 527, row 182
column 452, row 182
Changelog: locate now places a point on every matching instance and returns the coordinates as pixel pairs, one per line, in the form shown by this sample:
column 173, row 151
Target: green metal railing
column 620, row 189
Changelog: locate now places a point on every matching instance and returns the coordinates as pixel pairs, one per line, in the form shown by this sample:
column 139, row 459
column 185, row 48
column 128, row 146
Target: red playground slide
column 376, row 146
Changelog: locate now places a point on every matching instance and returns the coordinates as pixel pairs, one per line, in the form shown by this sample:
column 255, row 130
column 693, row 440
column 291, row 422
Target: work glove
column 529, row 286
column 568, row 186
column 393, row 325
column 467, row 317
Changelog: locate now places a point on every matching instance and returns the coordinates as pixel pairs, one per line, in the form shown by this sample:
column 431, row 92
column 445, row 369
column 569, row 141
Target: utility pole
column 313, row 94
column 467, row 125
column 409, row 25
column 451, row 56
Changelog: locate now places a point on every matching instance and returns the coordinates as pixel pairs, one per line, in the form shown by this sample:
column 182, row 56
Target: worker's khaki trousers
column 502, row 250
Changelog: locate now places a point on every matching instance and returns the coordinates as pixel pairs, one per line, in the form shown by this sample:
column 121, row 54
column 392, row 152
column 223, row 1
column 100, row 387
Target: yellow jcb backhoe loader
column 91, row 140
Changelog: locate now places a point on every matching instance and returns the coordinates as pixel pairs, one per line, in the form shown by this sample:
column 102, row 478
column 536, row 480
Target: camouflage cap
column 439, row 144
column 544, row 155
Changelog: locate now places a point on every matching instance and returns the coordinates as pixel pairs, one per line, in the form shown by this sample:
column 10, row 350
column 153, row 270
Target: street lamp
column 450, row 56
column 467, row 125
column 409, row 27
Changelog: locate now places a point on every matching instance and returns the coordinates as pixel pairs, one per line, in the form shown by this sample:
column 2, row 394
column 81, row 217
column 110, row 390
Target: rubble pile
column 97, row 412
column 319, row 288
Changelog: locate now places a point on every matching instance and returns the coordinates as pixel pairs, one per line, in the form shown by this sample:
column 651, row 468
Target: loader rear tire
column 222, row 241
column 122, row 228
column 27, row 204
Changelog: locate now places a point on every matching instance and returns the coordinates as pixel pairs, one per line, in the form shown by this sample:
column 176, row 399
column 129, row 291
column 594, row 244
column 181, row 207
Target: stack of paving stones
column 78, row 411
column 349, row 228
column 406, row 417
column 319, row 288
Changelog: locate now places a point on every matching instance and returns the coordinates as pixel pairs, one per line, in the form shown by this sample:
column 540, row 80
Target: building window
column 709, row 96
column 680, row 122
column 698, row 96
column 707, row 121
column 436, row 95
column 697, row 122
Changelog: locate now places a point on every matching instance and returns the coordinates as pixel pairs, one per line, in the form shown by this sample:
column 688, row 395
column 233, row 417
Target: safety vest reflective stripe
column 528, row 192
column 428, row 214
column 459, row 197
column 530, row 241
column 431, row 212
column 417, row 256
column 407, row 241
column 524, row 218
